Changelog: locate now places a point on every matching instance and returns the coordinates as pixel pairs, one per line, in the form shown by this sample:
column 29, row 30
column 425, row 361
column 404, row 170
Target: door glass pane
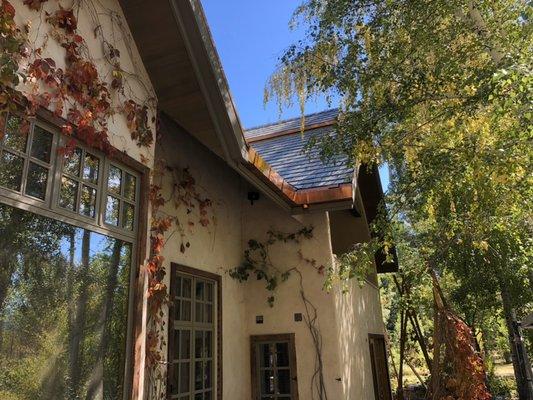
column 41, row 146
column 185, row 345
column 198, row 344
column 175, row 378
column 185, row 377
column 88, row 201
column 91, row 165
column 16, row 135
column 64, row 311
column 114, row 179
column 284, row 381
column 208, row 314
column 282, row 354
column 185, row 310
column 111, row 211
column 208, row 369
column 72, row 162
column 36, row 181
column 177, row 309
column 198, row 375
column 68, row 193
column 267, row 382
column 266, row 357
column 199, row 290
column 199, row 316
column 11, row 171
column 187, row 288
column 208, row 344
column 209, row 292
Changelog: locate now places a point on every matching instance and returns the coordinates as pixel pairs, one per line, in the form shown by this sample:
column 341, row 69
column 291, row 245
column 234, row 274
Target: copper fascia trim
column 297, row 198
column 291, row 131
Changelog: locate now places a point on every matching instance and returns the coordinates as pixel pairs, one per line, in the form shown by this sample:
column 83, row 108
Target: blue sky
column 250, row 36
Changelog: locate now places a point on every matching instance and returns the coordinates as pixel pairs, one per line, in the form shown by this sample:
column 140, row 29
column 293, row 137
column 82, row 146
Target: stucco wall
column 344, row 320
column 215, row 248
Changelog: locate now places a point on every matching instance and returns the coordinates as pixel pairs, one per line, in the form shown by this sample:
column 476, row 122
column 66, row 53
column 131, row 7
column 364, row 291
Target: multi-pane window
column 80, row 176
column 274, row 366
column 26, row 158
column 78, row 183
column 120, row 198
column 65, row 266
column 192, row 354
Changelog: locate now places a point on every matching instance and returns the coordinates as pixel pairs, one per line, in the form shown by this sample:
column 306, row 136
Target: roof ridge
column 331, row 110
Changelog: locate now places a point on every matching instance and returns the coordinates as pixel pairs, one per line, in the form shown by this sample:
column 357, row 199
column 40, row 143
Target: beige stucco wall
column 344, row 320
column 216, row 248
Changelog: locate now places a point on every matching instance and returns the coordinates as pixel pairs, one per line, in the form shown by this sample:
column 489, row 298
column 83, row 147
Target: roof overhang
column 178, row 52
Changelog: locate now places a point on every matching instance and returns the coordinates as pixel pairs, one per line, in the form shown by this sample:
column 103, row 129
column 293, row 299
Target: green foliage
column 257, row 260
column 441, row 92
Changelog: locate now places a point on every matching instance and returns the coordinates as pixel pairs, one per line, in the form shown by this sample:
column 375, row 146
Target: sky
column 250, row 36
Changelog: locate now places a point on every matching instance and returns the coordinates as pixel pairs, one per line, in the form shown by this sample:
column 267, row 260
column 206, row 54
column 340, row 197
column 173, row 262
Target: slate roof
column 287, row 156
column 292, row 124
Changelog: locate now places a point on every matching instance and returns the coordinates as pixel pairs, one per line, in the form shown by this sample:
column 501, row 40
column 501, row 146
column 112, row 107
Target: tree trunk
column 78, row 324
column 403, row 339
column 96, row 387
column 419, row 337
column 521, row 366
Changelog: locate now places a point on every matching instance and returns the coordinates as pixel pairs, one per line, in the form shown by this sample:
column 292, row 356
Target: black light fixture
column 355, row 212
column 253, row 196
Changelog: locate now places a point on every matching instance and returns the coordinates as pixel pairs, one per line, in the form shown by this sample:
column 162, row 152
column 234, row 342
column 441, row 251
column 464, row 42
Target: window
column 380, row 370
column 194, row 356
column 25, row 158
column 65, row 272
column 274, row 367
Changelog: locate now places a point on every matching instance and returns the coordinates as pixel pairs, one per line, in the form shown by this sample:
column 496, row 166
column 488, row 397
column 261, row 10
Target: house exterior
column 81, row 226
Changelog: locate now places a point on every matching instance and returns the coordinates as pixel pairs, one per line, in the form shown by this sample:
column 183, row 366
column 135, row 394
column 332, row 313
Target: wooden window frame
column 373, row 363
column 178, row 268
column 279, row 337
column 138, row 238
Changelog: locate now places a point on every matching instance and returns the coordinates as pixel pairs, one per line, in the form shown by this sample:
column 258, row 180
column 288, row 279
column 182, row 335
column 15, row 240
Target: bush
column 502, row 387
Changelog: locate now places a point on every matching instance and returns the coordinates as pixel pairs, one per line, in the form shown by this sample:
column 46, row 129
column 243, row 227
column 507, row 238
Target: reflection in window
column 63, row 307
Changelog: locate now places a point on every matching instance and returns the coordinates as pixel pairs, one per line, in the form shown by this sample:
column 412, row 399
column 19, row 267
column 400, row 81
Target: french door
column 380, row 370
column 274, row 367
column 192, row 372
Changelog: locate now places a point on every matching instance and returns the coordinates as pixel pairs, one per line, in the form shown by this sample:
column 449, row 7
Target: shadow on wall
column 358, row 314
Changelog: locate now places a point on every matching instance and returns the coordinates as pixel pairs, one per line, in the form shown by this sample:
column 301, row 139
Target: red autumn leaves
column 78, row 88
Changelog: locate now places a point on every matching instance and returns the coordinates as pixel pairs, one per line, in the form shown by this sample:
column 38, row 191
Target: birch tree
column 441, row 92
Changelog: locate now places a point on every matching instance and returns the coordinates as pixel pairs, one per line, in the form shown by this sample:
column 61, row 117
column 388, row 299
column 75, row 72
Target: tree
column 441, row 92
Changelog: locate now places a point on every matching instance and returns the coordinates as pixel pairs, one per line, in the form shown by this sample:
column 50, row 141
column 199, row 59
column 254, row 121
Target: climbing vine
column 78, row 92
column 257, row 262
column 184, row 196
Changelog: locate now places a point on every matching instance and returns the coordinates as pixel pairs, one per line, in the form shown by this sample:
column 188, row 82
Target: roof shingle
column 287, row 156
